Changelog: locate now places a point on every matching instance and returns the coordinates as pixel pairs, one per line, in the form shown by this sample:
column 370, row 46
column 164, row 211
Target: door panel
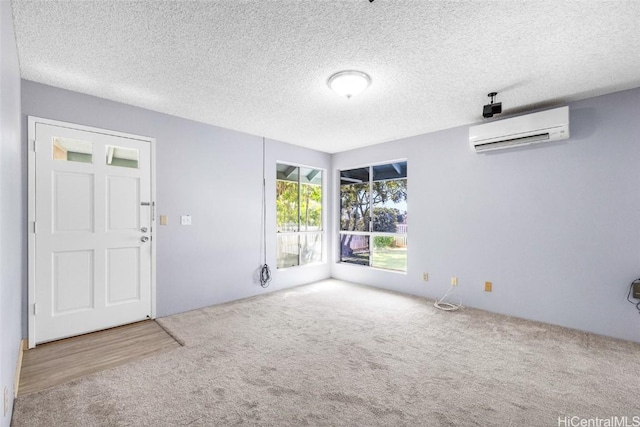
column 92, row 253
column 123, row 275
column 72, row 202
column 73, row 281
column 123, row 203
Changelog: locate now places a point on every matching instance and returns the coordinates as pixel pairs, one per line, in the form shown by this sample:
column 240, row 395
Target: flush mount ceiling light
column 349, row 83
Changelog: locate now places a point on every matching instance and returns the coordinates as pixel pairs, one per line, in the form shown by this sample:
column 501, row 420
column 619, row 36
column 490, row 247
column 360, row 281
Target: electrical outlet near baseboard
column 454, row 281
column 636, row 290
column 425, row 277
column 488, row 286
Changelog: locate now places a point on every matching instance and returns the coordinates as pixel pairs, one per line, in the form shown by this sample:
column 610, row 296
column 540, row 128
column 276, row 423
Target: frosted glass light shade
column 349, row 83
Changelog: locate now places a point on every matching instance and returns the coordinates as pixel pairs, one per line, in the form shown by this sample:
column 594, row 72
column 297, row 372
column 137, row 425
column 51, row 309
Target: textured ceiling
column 261, row 66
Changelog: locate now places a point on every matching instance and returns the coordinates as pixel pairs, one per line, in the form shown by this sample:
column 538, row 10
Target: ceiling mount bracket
column 493, row 107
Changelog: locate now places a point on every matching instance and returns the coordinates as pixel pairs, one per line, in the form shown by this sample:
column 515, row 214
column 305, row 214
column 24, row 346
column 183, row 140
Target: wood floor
column 57, row 362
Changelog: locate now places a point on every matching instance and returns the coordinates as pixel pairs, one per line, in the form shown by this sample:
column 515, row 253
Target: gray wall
column 210, row 173
column 555, row 227
column 12, row 248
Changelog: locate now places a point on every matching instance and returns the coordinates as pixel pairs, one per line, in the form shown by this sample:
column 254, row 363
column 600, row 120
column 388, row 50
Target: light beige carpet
column 336, row 354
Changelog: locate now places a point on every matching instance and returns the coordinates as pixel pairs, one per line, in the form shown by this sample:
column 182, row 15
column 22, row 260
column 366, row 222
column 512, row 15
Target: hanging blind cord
column 265, row 272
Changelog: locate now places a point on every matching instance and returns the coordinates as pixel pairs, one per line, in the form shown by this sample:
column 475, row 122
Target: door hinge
column 35, row 227
column 35, row 309
column 34, row 142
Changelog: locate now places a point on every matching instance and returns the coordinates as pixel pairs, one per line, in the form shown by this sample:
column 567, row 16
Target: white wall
column 12, row 247
column 210, row 173
column 555, row 227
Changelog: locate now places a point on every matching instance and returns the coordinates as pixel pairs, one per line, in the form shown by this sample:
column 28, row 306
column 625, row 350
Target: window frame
column 299, row 232
column 370, row 233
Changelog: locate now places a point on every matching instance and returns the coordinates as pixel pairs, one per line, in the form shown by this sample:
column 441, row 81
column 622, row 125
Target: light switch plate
column 185, row 220
column 164, row 219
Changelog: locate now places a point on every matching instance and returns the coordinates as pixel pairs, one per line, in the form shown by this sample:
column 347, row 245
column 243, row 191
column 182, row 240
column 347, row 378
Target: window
column 299, row 215
column 373, row 216
column 72, row 150
column 122, row 156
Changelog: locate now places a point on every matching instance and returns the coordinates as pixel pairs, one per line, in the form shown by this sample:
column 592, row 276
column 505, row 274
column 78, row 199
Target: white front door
column 92, row 251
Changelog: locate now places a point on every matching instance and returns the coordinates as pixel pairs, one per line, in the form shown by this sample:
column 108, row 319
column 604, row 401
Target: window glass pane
column 388, row 171
column 287, row 172
column 122, row 156
column 298, row 212
column 288, row 250
column 310, row 199
column 287, row 205
column 389, row 198
column 72, row 150
column 373, row 201
column 390, row 252
column 311, row 248
column 354, row 200
column 354, row 249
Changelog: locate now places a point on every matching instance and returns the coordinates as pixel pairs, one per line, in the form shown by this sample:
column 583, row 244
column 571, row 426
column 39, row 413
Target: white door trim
column 31, row 212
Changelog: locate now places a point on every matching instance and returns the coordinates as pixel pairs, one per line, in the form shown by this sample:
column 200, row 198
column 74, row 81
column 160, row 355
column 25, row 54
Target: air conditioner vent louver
column 550, row 125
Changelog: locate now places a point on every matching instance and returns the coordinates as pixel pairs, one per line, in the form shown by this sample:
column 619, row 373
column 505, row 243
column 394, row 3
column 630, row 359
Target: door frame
column 31, row 211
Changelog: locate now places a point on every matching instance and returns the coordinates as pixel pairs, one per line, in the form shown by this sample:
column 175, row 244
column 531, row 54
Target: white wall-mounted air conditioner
column 550, row 125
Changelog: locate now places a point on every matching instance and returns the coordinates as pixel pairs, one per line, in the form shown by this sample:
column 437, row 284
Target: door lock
column 143, row 229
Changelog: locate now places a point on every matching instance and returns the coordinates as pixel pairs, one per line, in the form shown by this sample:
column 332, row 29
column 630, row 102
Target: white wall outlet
column 454, row 281
column 425, row 277
column 185, row 220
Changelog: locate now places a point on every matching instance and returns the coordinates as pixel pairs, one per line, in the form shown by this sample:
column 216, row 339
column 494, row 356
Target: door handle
column 144, row 239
